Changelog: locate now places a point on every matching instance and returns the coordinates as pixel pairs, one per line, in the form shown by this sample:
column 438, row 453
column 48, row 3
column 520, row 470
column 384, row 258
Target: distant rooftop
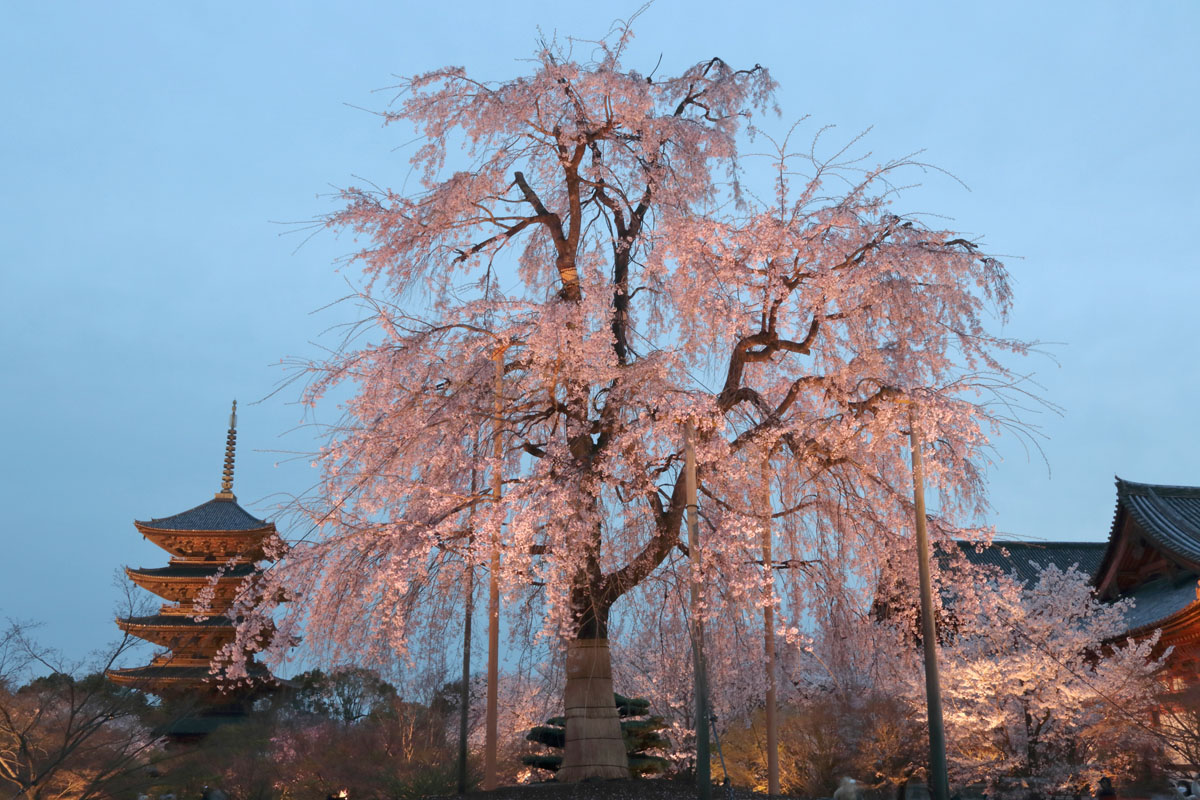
column 1012, row 556
column 1169, row 516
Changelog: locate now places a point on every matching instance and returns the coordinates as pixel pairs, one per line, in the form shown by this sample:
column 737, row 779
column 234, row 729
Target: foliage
column 1179, row 722
column 347, row 694
column 872, row 737
column 1039, row 695
column 635, row 273
column 347, row 729
column 641, row 731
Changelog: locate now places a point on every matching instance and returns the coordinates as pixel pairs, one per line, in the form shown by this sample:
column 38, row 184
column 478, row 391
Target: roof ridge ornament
column 226, row 492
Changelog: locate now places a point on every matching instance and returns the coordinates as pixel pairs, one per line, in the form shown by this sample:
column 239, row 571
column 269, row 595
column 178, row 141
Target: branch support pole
column 464, row 695
column 491, row 723
column 772, row 720
column 464, row 698
column 939, row 784
column 699, row 666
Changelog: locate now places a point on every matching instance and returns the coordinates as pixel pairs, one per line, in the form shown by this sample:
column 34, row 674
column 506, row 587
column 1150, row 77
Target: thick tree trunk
column 594, row 746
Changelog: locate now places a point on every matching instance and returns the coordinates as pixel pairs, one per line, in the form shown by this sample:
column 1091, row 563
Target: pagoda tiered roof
column 191, row 571
column 217, row 515
column 168, row 678
column 178, row 631
column 215, row 531
column 184, row 583
column 172, row 622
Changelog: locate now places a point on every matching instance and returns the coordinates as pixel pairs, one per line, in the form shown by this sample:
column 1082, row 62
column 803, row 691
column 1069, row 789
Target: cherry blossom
column 594, row 228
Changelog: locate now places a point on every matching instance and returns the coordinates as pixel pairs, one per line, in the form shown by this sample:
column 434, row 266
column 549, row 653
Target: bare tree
column 66, row 731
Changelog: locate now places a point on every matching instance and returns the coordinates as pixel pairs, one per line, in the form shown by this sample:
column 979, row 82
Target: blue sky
column 150, row 151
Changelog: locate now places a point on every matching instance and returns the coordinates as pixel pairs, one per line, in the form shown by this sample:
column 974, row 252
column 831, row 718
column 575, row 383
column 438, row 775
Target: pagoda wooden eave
column 169, row 681
column 145, row 527
column 185, row 588
column 175, row 679
column 181, row 631
column 138, row 679
column 210, row 546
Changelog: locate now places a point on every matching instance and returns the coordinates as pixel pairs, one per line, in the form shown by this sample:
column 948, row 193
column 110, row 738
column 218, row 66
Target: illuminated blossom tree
column 604, row 245
column 1041, row 691
column 1037, row 686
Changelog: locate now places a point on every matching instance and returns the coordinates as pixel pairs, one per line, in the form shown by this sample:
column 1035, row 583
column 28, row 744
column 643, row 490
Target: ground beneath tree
column 661, row 789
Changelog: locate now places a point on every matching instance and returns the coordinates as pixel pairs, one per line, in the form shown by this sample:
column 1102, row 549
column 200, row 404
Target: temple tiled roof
column 1169, row 515
column 197, row 571
column 1020, row 557
column 215, row 515
column 1158, row 600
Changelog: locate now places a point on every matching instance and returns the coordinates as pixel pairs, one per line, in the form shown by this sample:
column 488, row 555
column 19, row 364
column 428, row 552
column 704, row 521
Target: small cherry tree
column 602, row 252
column 1038, row 687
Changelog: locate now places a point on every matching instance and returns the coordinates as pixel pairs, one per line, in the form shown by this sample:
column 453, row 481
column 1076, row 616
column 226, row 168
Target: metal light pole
column 699, row 667
column 939, row 784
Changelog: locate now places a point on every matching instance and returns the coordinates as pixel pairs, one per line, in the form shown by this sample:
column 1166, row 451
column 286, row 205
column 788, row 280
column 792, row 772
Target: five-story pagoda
column 214, row 548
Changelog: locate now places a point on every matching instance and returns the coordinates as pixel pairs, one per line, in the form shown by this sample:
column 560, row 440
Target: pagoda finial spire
column 226, row 492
